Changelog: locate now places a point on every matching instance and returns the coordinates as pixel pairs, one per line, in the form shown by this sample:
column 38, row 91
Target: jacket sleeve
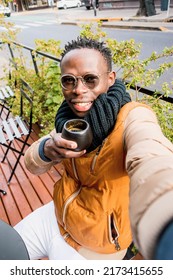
column 149, row 163
column 33, row 161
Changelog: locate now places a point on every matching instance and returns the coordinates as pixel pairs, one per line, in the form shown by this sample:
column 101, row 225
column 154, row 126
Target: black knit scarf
column 102, row 116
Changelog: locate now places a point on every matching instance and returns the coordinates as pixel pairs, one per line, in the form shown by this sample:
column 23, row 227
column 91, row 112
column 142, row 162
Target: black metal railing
column 32, row 53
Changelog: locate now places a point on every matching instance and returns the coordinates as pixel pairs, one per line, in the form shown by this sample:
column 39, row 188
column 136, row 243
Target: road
column 52, row 25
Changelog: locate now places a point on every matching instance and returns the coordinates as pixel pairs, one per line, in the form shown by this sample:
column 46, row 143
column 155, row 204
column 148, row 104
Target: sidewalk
column 126, row 18
column 117, row 18
column 130, row 15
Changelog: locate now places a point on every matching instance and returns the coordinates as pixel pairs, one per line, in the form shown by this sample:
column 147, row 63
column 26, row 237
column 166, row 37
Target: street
column 54, row 25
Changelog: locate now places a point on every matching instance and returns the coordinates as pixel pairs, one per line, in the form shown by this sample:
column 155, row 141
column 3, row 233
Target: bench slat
column 10, row 91
column 1, row 95
column 14, row 127
column 22, row 126
column 5, row 93
column 2, row 138
column 8, row 131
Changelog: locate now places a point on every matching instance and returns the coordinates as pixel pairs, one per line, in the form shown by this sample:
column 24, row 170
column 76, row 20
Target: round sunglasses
column 69, row 81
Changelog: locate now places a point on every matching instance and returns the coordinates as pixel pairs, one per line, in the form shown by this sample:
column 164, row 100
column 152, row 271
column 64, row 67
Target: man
column 89, row 216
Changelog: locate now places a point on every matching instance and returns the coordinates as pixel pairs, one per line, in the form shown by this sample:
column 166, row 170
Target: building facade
column 120, row 4
column 23, row 5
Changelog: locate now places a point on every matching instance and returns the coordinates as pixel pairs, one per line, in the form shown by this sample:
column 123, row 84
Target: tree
column 146, row 8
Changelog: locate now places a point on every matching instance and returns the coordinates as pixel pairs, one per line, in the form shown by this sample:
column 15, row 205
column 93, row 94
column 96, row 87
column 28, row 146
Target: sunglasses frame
column 76, row 78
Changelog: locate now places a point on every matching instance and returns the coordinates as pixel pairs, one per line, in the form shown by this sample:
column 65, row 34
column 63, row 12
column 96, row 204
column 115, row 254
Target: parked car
column 64, row 4
column 5, row 10
column 89, row 4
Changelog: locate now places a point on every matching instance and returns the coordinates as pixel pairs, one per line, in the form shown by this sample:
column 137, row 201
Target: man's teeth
column 83, row 104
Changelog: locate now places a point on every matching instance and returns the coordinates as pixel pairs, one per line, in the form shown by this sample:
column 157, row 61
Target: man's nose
column 80, row 87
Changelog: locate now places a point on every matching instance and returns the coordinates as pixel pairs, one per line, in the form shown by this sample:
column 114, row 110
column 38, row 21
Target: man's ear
column 112, row 77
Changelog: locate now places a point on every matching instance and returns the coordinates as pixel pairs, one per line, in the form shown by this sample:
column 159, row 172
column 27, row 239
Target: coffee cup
column 79, row 131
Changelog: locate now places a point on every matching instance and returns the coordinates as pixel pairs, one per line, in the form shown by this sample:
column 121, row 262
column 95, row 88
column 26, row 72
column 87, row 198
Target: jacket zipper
column 95, row 157
column 66, row 235
column 68, row 201
column 113, row 232
column 74, row 168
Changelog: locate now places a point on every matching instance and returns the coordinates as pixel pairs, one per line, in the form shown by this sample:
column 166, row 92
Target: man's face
column 83, row 63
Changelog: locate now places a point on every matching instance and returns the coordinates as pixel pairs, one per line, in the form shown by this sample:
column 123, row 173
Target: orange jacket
column 92, row 198
column 148, row 158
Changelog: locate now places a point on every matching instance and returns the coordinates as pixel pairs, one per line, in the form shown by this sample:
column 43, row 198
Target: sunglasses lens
column 68, row 82
column 91, row 80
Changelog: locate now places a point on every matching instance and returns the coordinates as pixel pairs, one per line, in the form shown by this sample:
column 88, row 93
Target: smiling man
column 122, row 169
column 95, row 77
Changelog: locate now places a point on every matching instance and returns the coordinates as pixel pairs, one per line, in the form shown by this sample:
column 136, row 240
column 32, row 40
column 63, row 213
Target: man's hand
column 57, row 148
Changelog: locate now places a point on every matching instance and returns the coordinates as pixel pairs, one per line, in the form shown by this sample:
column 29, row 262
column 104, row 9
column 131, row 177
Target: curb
column 101, row 19
column 137, row 27
column 129, row 19
column 78, row 22
column 169, row 19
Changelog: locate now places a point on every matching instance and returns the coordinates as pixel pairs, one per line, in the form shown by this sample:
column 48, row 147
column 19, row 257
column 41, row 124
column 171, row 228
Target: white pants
column 42, row 237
